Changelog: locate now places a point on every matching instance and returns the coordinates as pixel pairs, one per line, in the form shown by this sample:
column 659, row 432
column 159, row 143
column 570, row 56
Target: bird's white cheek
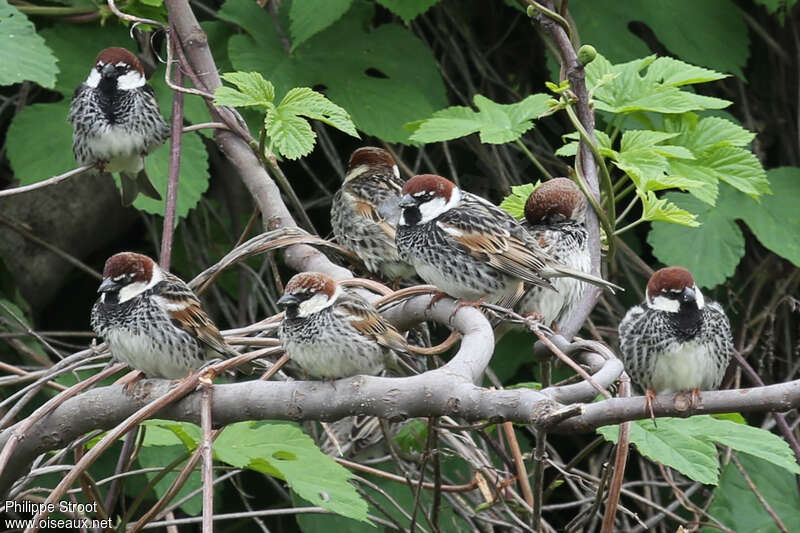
column 316, row 303
column 662, row 303
column 131, row 291
column 432, row 209
column 131, row 80
column 94, row 79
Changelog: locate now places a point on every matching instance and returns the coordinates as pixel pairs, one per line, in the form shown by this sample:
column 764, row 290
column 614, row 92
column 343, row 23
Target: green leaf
column 776, row 220
column 169, row 433
column 381, row 88
column 698, row 434
column 193, row 176
column 631, row 91
column 290, row 135
column 723, row 44
column 673, row 445
column 44, row 126
column 407, row 9
column 161, row 456
column 309, row 17
column 514, row 203
column 736, row 506
column 413, row 436
column 309, row 103
column 718, row 237
column 284, row 450
column 496, row 123
column 253, row 90
column 661, row 209
column 25, row 55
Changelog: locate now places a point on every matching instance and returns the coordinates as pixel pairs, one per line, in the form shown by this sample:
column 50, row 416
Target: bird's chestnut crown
column 128, row 267
column 673, row 289
column 119, row 57
column 558, row 196
column 429, row 185
column 372, row 157
column 307, row 293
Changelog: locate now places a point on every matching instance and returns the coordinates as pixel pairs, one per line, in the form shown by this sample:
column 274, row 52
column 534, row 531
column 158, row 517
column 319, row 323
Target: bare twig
column 47, row 182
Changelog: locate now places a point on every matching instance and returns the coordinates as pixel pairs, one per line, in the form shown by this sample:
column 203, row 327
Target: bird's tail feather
column 562, row 271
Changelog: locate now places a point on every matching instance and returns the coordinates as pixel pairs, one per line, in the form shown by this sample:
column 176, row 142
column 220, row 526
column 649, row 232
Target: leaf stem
column 626, row 210
column 629, row 226
column 606, row 180
column 533, row 159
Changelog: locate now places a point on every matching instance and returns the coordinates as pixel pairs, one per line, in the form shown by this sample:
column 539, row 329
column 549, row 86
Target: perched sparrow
column 331, row 333
column 554, row 216
column 365, row 211
column 152, row 320
column 676, row 340
column 470, row 248
column 117, row 122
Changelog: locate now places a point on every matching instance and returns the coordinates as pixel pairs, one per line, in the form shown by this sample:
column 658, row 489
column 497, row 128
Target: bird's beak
column 288, row 299
column 688, row 295
column 108, row 70
column 407, row 201
column 108, row 285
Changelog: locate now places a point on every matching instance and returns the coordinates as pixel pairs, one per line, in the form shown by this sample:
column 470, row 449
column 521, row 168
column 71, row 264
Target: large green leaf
column 161, row 456
column 775, row 221
column 407, row 9
column 284, row 451
column 672, row 444
column 193, row 176
column 738, row 507
column 384, row 77
column 723, row 44
column 687, row 444
column 45, row 127
column 309, row 17
column 496, row 123
column 718, row 237
column 25, row 56
column 514, row 203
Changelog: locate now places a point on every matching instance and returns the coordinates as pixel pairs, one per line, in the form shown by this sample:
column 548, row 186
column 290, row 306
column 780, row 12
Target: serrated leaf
column 631, row 91
column 25, row 55
column 662, row 210
column 672, row 445
column 736, row 506
column 289, row 135
column 496, row 123
column 514, row 203
column 282, row 447
column 309, row 17
column 309, row 103
column 701, row 135
column 381, row 88
column 718, row 236
column 724, row 43
column 253, row 89
column 193, row 176
column 408, row 9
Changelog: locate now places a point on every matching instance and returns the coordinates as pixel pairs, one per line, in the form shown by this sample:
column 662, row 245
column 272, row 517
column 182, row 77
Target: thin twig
column 47, row 182
column 208, row 460
column 174, row 169
column 619, row 463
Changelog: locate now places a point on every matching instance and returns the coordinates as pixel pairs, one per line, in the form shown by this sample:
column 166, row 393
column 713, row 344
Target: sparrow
column 152, row 320
column 365, row 211
column 470, row 248
column 555, row 217
column 117, row 122
column 676, row 340
column 331, row 333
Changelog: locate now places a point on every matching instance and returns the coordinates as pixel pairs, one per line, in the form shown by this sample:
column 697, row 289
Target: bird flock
column 425, row 228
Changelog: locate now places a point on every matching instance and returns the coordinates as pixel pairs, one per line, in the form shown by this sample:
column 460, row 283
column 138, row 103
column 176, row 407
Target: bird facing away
column 117, row 122
column 676, row 340
column 332, row 333
column 470, row 248
column 365, row 211
column 555, row 215
column 152, row 320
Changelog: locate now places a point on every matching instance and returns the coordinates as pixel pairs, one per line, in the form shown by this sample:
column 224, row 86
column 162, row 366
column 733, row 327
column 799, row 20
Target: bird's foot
column 101, row 165
column 466, row 303
column 129, row 380
column 649, row 397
